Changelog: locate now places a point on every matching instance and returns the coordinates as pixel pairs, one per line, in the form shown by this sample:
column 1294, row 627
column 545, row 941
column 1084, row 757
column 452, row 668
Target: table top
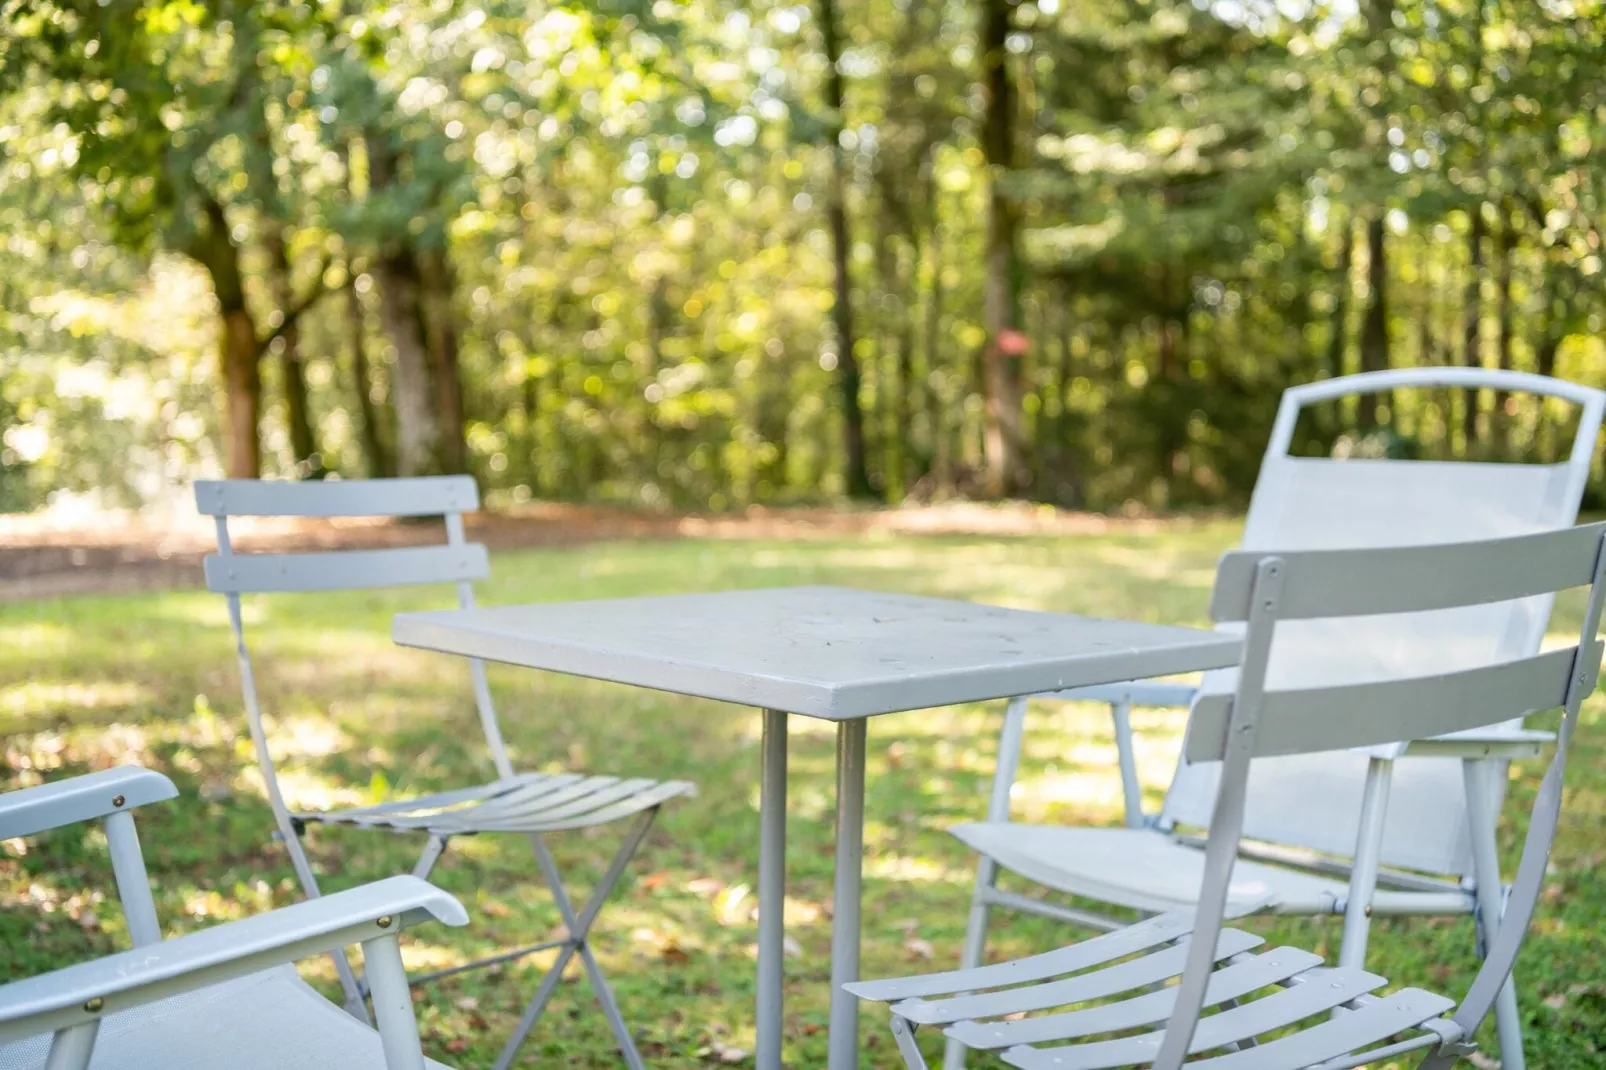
column 829, row 652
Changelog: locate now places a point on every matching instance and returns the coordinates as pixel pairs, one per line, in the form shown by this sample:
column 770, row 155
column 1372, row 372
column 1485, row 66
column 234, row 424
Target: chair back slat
column 1369, row 714
column 1406, row 579
column 417, row 496
column 346, row 570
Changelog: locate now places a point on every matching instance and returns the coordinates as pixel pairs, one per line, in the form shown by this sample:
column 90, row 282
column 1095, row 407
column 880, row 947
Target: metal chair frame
column 71, row 1004
column 531, row 805
column 990, row 1006
column 1484, row 761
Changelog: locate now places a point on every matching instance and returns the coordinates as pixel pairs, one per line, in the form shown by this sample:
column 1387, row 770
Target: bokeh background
column 705, row 254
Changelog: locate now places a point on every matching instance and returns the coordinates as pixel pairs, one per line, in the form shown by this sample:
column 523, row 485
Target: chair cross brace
column 576, row 941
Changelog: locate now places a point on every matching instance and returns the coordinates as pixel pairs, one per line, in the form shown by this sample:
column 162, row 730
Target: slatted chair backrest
column 455, row 561
column 1313, row 503
column 1269, row 592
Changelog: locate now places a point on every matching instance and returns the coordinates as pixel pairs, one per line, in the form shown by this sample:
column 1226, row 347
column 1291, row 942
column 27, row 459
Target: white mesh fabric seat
column 530, row 805
column 1111, row 1002
column 238, row 1025
column 1144, row 869
column 1408, row 816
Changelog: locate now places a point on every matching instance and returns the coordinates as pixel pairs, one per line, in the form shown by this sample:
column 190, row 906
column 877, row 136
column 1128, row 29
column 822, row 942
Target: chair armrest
column 76, row 995
column 80, row 798
column 1501, row 743
column 1137, row 693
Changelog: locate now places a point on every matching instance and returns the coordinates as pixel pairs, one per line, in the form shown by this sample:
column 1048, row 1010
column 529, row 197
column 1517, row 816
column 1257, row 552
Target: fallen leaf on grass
column 731, row 906
column 727, row 1053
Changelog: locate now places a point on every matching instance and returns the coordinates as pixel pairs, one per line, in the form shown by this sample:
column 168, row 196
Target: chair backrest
column 454, row 561
column 1271, row 591
column 1313, row 503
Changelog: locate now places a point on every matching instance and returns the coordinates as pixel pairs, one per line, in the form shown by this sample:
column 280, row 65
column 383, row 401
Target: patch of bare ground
column 117, row 553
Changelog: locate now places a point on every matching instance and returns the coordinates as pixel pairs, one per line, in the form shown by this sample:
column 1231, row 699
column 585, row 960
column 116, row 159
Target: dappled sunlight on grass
column 90, row 682
column 45, row 698
column 905, row 868
column 38, row 638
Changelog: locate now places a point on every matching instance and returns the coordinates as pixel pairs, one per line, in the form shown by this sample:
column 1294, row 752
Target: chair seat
column 267, row 1021
column 527, row 802
column 1143, row 869
column 1127, row 973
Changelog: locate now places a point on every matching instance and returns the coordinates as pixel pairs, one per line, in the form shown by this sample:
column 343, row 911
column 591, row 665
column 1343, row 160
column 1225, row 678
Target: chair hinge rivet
column 93, row 1006
column 118, row 800
column 385, row 922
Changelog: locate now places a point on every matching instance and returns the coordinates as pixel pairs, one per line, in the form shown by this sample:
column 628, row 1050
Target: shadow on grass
column 90, row 682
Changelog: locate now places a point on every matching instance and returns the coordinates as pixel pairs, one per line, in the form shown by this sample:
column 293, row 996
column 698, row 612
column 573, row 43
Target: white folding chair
column 528, row 804
column 1109, row 997
column 227, row 996
column 1426, row 823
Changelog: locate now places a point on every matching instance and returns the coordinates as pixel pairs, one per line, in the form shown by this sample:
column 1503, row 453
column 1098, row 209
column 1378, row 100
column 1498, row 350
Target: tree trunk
column 214, row 249
column 436, row 284
column 941, row 445
column 1375, row 329
column 1472, row 324
column 242, row 384
column 297, row 410
column 1554, row 320
column 377, row 462
column 1500, row 421
column 417, row 434
column 1339, row 336
column 849, row 378
column 1004, row 440
column 1427, row 310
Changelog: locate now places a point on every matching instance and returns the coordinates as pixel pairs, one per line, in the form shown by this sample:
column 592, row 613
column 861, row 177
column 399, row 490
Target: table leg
column 771, row 889
column 843, row 1038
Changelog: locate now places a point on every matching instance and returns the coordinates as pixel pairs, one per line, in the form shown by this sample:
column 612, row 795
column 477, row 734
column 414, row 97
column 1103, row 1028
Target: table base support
column 771, row 890
column 843, row 1038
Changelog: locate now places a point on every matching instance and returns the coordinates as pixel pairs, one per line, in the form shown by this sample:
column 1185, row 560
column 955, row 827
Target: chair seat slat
column 1100, row 949
column 1124, row 976
column 1322, row 991
column 1229, row 983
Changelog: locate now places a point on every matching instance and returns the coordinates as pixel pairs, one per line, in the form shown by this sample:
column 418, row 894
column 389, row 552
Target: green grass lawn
column 90, row 682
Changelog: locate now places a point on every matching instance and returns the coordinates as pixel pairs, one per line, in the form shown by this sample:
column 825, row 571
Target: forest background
column 706, row 254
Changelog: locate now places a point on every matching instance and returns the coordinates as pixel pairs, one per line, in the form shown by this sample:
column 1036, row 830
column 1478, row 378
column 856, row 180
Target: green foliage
column 613, row 215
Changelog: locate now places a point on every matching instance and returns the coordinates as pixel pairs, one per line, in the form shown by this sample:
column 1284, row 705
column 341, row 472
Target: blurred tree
column 848, row 373
column 635, row 253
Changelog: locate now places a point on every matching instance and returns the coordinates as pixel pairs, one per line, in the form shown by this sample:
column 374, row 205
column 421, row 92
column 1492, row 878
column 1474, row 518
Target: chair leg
column 425, row 866
column 975, row 949
column 903, row 1032
column 1368, row 855
column 393, row 1003
column 351, row 987
column 72, row 1048
column 1126, row 758
column 432, row 854
column 579, row 926
column 1491, row 899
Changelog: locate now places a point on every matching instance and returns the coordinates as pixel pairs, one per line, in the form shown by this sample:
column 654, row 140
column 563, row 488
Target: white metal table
column 828, row 652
